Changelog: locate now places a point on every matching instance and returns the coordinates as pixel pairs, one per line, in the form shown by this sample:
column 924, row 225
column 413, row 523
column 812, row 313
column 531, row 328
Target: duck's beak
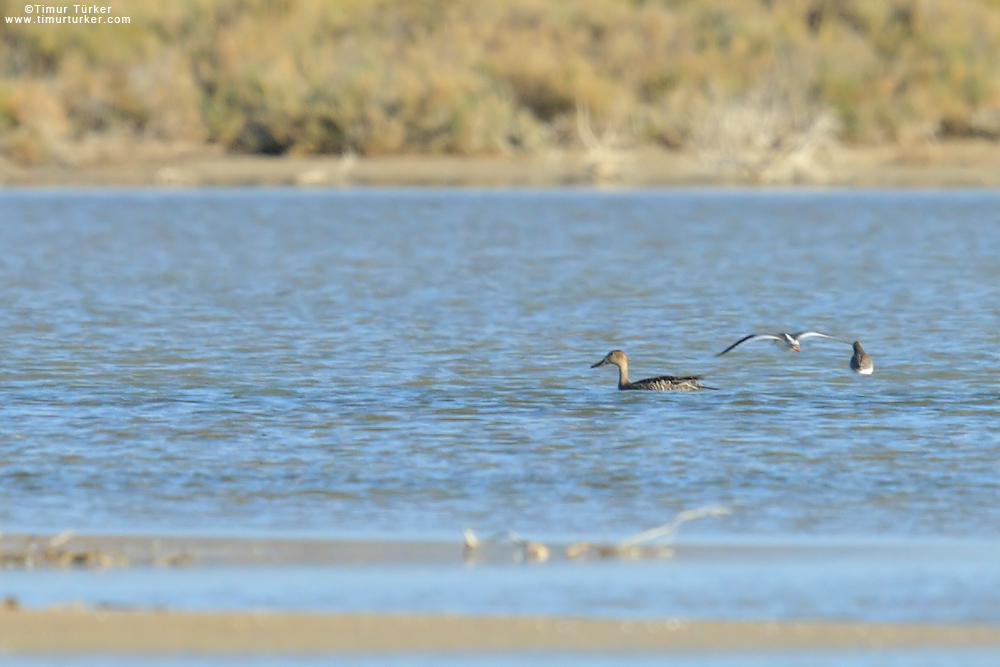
column 600, row 363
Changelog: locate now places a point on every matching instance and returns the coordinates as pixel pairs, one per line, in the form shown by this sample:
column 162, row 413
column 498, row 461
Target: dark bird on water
column 659, row 383
column 861, row 363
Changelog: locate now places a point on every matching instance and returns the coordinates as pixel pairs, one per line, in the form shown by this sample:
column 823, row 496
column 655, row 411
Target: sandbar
column 73, row 628
column 134, row 631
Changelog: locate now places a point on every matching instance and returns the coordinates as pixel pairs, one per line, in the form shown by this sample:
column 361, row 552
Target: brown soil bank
column 931, row 165
column 69, row 630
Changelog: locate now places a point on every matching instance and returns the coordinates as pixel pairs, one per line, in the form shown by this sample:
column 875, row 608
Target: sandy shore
column 73, row 627
column 97, row 551
column 933, row 164
column 69, row 630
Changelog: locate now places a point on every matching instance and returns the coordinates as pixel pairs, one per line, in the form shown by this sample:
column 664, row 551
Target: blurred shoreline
column 951, row 164
column 71, row 625
column 76, row 629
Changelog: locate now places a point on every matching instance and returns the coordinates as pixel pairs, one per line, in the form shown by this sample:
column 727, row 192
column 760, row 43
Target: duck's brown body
column 659, row 383
column 665, row 383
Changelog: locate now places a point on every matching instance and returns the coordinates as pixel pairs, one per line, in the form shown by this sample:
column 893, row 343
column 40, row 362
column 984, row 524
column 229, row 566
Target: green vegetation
column 491, row 76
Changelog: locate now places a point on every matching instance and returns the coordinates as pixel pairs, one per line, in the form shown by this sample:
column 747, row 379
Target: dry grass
column 764, row 86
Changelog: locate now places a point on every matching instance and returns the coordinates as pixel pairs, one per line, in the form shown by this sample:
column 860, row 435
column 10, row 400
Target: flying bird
column 791, row 341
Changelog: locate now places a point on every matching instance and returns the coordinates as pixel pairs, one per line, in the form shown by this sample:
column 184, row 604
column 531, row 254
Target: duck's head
column 616, row 357
column 857, row 347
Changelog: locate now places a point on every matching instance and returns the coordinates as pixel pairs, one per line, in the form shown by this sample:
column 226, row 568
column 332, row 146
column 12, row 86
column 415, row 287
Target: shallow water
column 951, row 583
column 409, row 362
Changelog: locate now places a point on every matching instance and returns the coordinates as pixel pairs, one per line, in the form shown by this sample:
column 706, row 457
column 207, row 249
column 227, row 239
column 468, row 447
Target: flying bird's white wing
column 815, row 334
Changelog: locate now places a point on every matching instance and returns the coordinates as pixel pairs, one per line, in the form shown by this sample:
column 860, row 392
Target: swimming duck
column 791, row 341
column 659, row 383
column 861, row 363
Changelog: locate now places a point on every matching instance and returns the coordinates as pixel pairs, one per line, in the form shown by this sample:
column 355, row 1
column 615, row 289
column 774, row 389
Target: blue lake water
column 953, row 582
column 410, row 362
column 400, row 364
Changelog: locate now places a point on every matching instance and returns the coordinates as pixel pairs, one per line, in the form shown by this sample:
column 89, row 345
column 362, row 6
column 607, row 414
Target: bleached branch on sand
column 525, row 550
column 670, row 528
column 632, row 547
column 528, row 550
column 636, row 546
column 58, row 551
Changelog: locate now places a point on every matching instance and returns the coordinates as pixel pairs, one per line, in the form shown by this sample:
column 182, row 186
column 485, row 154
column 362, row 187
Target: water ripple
column 378, row 361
